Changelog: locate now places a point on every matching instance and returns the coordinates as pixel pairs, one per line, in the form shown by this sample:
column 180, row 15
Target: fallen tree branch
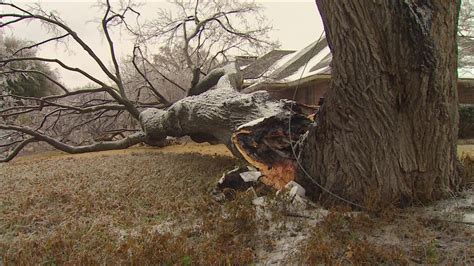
column 253, row 126
column 99, row 146
column 16, row 150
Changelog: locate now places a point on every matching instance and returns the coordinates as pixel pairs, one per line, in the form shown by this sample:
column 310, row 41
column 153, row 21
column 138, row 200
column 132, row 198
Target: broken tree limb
column 213, row 115
column 213, row 78
column 253, row 126
column 124, row 143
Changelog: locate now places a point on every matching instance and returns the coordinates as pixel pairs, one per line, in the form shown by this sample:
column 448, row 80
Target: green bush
column 466, row 121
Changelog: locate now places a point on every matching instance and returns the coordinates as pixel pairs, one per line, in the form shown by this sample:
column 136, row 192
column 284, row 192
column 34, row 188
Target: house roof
column 466, row 72
column 287, row 68
column 243, row 60
column 262, row 65
column 313, row 54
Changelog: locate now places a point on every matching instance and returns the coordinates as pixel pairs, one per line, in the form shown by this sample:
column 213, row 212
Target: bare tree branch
column 466, row 34
column 17, row 149
column 57, row 61
column 205, row 33
column 100, row 146
column 118, row 78
column 213, row 28
column 14, row 70
column 57, row 38
column 144, row 76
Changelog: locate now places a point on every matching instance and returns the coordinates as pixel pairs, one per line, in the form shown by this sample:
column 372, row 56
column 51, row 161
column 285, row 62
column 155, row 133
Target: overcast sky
column 296, row 24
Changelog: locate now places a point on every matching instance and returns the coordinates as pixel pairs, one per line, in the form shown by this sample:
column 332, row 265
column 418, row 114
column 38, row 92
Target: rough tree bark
column 388, row 129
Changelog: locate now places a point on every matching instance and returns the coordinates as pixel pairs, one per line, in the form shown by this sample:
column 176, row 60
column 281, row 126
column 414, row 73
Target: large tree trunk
column 388, row 129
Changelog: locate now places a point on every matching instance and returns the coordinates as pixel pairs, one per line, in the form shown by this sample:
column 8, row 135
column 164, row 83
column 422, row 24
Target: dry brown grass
column 139, row 208
column 145, row 207
column 185, row 147
column 343, row 238
column 405, row 237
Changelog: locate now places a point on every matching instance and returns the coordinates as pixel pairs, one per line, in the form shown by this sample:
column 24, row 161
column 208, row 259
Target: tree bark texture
column 388, row 129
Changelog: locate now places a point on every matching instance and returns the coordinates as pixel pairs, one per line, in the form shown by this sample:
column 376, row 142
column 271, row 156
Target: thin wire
column 291, row 142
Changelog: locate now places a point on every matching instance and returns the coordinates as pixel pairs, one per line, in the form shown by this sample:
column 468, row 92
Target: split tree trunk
column 388, row 128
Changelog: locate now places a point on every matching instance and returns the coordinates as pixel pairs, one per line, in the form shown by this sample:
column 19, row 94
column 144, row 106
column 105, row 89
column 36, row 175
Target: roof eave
column 279, row 85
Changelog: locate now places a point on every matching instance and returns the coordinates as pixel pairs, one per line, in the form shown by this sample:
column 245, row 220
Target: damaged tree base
column 272, row 145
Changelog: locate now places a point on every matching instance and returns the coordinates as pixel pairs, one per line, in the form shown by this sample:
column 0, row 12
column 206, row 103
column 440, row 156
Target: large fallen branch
column 124, row 143
column 253, row 126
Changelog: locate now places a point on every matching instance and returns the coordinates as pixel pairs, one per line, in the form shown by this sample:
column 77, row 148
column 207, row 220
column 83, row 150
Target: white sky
column 296, row 24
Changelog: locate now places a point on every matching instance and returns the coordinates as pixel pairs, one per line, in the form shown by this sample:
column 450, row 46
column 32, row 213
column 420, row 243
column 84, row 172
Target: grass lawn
column 466, row 149
column 148, row 206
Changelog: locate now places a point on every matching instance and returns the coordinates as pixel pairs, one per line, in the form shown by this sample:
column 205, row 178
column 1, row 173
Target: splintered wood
column 272, row 144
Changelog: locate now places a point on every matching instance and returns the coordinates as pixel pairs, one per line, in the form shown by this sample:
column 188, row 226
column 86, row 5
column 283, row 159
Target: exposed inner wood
column 267, row 145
